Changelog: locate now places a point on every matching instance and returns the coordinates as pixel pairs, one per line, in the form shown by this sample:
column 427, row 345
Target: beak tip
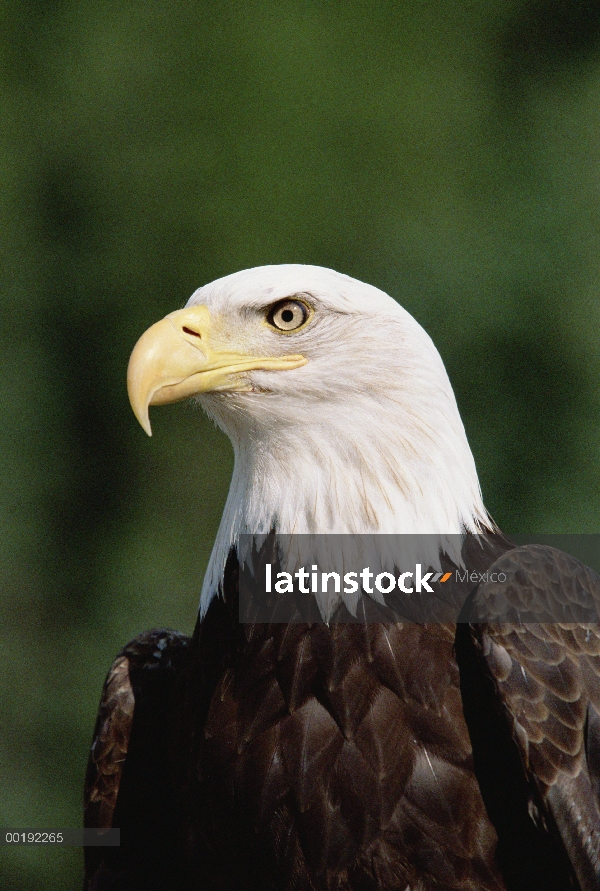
column 144, row 422
column 141, row 414
column 139, row 399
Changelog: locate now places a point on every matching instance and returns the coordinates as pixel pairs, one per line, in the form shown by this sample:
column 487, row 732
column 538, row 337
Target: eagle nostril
column 191, row 331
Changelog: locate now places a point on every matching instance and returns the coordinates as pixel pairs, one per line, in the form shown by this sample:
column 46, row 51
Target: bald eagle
column 333, row 754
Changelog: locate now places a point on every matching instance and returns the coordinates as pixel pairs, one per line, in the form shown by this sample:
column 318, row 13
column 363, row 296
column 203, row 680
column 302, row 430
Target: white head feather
column 364, row 438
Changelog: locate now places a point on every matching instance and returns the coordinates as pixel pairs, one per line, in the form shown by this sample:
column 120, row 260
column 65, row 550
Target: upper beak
column 174, row 359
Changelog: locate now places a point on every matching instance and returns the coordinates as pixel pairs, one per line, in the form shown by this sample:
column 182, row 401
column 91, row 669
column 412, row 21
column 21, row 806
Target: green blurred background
column 447, row 152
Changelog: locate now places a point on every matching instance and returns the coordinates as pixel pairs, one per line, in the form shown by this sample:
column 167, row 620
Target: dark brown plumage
column 337, row 757
column 329, row 757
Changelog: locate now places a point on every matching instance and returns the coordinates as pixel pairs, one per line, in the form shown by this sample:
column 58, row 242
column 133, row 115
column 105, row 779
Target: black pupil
column 287, row 315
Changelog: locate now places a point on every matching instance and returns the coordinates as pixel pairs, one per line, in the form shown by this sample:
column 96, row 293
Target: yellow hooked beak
column 174, row 359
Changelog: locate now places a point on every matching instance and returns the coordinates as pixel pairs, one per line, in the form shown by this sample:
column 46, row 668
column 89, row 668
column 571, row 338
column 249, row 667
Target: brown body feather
column 307, row 756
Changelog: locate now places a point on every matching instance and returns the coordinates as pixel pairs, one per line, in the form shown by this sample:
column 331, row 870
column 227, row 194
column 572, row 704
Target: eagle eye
column 287, row 315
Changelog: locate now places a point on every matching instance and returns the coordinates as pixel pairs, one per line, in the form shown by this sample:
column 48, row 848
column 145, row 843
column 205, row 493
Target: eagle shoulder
column 127, row 779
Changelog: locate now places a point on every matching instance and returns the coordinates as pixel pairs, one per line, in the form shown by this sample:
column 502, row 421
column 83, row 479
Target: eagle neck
column 336, row 478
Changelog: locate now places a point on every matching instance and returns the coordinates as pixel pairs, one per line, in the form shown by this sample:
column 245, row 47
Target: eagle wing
column 109, row 746
column 127, row 783
column 531, row 697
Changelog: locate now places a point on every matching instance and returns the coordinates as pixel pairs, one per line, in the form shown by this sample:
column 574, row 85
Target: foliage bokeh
column 445, row 152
